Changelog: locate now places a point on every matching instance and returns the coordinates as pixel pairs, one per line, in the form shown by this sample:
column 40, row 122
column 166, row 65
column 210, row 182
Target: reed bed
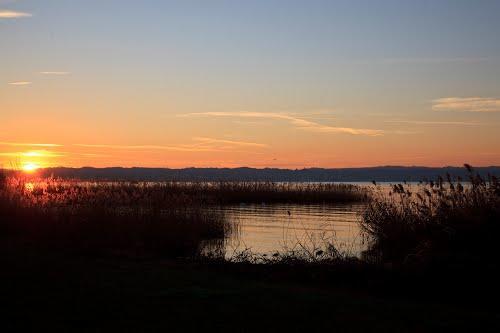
column 168, row 218
column 271, row 192
column 106, row 218
column 218, row 193
column 444, row 222
column 263, row 192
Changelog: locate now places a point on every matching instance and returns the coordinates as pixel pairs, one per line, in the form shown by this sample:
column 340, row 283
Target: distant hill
column 379, row 174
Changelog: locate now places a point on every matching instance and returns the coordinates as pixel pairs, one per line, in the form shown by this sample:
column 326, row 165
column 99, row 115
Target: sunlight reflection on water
column 266, row 229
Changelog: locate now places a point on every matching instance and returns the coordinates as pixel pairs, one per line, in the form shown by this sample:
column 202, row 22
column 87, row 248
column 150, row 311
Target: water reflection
column 265, row 229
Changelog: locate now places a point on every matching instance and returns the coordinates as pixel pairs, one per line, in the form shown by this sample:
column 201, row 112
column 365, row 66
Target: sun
column 30, row 167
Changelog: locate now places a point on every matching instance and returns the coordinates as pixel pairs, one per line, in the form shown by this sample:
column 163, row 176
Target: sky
column 262, row 83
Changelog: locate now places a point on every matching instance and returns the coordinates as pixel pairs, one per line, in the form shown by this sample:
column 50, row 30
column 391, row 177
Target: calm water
column 266, row 229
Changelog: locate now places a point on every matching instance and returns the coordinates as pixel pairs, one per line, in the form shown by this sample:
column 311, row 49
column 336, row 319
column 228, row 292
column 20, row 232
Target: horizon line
column 263, row 168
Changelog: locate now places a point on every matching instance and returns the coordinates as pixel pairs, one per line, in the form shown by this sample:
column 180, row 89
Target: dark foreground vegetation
column 447, row 223
column 128, row 257
column 56, row 292
column 106, row 218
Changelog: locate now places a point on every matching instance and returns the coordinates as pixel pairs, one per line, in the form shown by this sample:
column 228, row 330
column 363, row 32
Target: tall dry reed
column 447, row 221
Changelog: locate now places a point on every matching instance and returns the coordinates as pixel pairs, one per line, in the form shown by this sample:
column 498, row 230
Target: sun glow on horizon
column 30, row 167
column 30, row 160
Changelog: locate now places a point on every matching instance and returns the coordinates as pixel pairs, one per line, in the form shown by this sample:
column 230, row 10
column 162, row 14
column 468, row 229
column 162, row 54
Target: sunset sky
column 233, row 83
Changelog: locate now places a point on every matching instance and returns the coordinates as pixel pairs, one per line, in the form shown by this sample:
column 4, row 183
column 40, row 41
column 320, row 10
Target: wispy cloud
column 421, row 122
column 33, row 153
column 200, row 144
column 20, row 83
column 92, row 155
column 10, row 14
column 404, row 132
column 41, row 153
column 434, row 60
column 55, row 73
column 230, row 142
column 299, row 123
column 23, row 144
column 14, row 154
column 466, row 104
column 145, row 147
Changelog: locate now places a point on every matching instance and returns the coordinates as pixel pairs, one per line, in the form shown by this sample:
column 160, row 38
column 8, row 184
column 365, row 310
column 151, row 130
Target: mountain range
column 379, row 174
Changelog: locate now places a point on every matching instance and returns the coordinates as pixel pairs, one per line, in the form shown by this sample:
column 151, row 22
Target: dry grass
column 439, row 222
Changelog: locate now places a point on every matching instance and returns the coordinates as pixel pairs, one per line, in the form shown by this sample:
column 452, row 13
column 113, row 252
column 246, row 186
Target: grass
column 448, row 223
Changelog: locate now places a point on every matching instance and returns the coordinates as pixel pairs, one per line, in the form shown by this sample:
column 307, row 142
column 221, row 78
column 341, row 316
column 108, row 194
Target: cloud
column 420, row 122
column 22, row 144
column 230, row 142
column 33, row 153
column 403, row 132
column 9, row 14
column 299, row 123
column 467, row 104
column 433, row 60
column 92, row 155
column 40, row 153
column 11, row 154
column 55, row 73
column 147, row 147
column 201, row 144
column 20, row 83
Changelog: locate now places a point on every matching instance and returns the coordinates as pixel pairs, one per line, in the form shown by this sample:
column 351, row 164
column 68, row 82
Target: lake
column 267, row 229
